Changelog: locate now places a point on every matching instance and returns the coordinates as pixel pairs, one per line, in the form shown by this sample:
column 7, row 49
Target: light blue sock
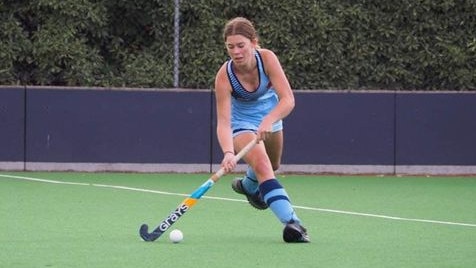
column 250, row 182
column 278, row 201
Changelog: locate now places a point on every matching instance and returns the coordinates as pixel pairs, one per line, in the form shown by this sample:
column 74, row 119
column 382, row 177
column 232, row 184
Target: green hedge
column 327, row 44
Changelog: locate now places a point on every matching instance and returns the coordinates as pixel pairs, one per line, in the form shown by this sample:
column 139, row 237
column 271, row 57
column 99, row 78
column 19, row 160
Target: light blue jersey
column 249, row 108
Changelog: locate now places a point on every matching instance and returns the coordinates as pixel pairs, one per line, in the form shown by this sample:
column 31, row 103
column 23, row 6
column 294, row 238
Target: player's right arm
column 223, row 106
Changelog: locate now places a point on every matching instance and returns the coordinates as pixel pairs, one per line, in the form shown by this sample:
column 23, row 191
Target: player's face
column 240, row 49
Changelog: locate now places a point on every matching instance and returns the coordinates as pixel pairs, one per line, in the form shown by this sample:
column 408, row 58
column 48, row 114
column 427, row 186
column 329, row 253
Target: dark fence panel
column 436, row 129
column 340, row 128
column 118, row 126
column 12, row 124
column 178, row 127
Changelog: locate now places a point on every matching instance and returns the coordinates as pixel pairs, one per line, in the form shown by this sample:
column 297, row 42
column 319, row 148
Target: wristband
column 228, row 152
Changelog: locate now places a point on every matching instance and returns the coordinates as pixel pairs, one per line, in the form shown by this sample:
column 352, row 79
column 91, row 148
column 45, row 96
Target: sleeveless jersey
column 249, row 108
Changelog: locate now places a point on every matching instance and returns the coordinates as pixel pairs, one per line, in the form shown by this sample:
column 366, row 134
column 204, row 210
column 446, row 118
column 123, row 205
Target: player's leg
column 274, row 148
column 249, row 181
column 248, row 185
column 279, row 202
column 272, row 192
column 276, row 196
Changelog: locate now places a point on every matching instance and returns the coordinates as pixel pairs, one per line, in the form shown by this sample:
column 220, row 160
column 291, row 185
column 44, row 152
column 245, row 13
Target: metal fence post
column 177, row 44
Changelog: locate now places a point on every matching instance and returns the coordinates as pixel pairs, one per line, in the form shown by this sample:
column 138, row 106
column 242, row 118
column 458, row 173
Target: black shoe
column 295, row 233
column 254, row 199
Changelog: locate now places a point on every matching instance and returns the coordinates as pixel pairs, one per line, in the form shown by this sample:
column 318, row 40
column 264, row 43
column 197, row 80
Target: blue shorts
column 277, row 126
column 246, row 116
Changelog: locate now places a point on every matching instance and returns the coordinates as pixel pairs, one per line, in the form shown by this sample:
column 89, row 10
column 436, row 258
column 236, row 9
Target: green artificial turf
column 353, row 221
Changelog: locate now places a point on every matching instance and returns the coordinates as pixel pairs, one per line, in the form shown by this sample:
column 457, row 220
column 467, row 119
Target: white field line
column 43, row 180
column 239, row 200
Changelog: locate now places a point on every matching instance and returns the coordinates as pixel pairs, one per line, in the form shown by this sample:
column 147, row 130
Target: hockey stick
column 190, row 201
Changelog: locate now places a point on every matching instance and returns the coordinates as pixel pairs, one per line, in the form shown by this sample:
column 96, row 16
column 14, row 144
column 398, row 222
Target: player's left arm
column 281, row 85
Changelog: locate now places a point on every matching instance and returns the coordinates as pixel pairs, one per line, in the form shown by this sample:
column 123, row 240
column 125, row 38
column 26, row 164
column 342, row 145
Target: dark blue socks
column 278, row 201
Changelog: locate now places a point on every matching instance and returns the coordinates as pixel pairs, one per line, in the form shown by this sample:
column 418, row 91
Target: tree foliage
column 328, row 44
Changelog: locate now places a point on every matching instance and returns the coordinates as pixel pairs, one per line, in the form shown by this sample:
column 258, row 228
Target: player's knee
column 263, row 167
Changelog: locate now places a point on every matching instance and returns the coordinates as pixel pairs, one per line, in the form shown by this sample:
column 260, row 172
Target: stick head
column 144, row 233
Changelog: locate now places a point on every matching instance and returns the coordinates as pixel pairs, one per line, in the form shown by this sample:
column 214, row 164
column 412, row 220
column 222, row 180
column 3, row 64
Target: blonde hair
column 241, row 26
